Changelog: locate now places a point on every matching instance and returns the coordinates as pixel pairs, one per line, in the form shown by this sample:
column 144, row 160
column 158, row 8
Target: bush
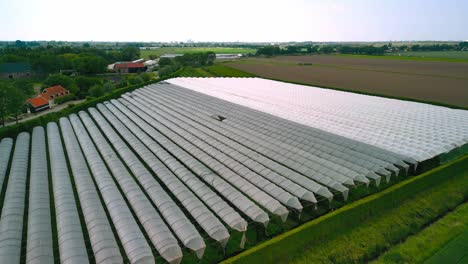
column 168, row 70
column 63, row 99
column 133, row 80
column 146, row 76
column 96, row 90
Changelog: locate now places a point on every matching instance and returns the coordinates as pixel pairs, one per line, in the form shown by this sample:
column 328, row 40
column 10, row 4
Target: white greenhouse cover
column 416, row 130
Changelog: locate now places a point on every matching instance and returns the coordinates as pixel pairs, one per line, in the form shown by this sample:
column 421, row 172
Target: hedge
column 282, row 247
column 13, row 130
column 63, row 99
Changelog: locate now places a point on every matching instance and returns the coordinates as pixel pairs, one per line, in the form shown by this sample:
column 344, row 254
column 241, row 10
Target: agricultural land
column 413, row 79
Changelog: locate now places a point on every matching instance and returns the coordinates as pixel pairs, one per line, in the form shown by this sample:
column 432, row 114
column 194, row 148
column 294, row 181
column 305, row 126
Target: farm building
column 129, row 67
column 228, row 56
column 15, row 70
column 45, row 100
column 192, row 164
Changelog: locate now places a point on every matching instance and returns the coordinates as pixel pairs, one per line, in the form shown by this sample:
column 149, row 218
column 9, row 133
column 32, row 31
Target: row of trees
column 273, row 50
column 85, row 60
column 198, row 59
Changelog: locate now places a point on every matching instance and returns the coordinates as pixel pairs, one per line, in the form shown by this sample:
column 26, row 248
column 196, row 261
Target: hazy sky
column 239, row 20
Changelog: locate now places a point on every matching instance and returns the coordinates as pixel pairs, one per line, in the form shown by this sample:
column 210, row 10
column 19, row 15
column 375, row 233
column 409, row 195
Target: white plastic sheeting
column 105, row 247
column 245, row 205
column 186, row 101
column 233, row 157
column 39, row 239
column 71, row 243
column 163, row 238
column 135, row 245
column 264, row 199
column 416, row 130
column 11, row 222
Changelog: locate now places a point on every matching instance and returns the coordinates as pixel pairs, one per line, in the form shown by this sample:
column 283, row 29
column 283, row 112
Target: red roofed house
column 45, row 100
column 130, row 67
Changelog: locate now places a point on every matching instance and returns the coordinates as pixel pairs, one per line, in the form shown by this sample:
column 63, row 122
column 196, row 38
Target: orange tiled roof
column 47, row 94
column 38, row 101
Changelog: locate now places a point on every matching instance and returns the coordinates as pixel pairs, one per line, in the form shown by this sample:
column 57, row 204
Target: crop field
column 434, row 54
column 194, row 170
column 145, row 53
column 213, row 71
column 438, row 82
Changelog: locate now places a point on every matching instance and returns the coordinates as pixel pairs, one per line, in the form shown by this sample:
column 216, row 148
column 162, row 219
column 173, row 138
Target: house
column 130, row 67
column 15, row 70
column 45, row 99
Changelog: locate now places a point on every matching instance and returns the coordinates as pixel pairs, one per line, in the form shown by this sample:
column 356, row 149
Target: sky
column 239, row 20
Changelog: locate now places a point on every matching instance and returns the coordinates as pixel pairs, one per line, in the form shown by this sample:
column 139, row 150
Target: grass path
column 423, row 245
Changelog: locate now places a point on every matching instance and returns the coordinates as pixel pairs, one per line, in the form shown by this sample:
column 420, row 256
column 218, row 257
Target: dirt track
column 443, row 82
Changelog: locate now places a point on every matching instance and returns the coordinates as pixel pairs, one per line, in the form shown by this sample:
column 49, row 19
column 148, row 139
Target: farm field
column 416, row 80
column 433, row 54
column 145, row 53
column 212, row 71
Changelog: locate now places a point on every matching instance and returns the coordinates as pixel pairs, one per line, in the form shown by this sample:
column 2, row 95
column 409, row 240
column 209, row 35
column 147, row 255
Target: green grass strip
column 379, row 221
column 426, row 243
column 456, row 251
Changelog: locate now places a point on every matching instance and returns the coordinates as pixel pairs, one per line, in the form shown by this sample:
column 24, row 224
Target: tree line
column 197, row 59
column 274, row 50
column 52, row 59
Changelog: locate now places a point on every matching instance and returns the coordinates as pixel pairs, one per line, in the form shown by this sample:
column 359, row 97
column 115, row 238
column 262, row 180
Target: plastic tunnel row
column 174, row 167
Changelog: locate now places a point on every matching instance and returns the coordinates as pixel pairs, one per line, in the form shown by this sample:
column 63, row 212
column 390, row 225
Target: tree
column 3, row 103
column 12, row 101
column 66, row 81
column 108, row 87
column 163, row 62
column 97, row 91
column 146, row 76
column 132, row 80
column 90, row 64
column 130, row 53
column 85, row 83
column 25, row 86
column 269, row 50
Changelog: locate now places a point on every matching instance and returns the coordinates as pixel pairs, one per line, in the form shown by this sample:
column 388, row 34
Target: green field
column 213, row 71
column 456, row 251
column 421, row 246
column 433, row 54
column 181, row 50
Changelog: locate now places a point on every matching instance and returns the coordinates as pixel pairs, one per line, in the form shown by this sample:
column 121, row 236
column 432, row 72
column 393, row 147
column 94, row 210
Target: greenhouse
column 197, row 169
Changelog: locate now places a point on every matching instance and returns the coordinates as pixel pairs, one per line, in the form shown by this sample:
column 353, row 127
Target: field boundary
column 287, row 244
